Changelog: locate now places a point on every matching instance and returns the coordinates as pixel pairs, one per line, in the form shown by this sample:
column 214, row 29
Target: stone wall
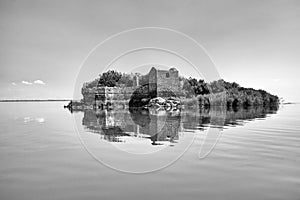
column 102, row 95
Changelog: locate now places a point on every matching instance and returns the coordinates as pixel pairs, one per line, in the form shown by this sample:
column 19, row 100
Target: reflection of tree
column 236, row 116
column 196, row 120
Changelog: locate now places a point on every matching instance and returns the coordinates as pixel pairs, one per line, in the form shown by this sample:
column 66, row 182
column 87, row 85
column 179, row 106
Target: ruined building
column 161, row 83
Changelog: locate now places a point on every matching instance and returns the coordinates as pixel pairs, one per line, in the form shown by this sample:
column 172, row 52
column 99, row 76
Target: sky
column 44, row 43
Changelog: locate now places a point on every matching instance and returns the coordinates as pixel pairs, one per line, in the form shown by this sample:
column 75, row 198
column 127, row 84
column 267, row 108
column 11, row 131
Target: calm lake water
column 48, row 152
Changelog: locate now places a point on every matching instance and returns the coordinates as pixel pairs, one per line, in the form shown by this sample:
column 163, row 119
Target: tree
column 189, row 91
column 109, row 78
column 91, row 84
column 126, row 80
column 143, row 80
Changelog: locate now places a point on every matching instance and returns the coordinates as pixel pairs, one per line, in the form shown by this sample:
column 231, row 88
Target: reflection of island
column 160, row 125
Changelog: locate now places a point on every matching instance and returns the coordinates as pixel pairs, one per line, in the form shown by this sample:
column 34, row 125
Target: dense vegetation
column 193, row 87
column 240, row 96
column 113, row 78
column 215, row 93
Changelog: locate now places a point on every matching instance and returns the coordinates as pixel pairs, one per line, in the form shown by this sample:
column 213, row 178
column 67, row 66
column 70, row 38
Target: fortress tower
column 164, row 83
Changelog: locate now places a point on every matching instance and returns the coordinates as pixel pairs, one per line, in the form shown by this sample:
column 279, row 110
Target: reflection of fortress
column 112, row 125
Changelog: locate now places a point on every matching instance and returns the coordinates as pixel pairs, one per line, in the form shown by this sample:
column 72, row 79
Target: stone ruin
column 161, row 83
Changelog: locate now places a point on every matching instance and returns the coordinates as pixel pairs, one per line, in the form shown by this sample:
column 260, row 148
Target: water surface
column 257, row 155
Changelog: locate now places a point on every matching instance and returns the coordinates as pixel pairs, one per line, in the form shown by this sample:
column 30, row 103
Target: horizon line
column 24, row 100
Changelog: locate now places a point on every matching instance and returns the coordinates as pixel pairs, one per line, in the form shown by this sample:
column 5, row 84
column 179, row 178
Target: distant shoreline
column 33, row 100
column 287, row 103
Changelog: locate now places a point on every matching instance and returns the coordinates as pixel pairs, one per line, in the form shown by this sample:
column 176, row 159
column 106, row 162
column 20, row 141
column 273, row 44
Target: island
column 165, row 89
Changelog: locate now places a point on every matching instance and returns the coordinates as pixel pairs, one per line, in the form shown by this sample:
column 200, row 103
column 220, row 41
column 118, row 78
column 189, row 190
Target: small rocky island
column 165, row 89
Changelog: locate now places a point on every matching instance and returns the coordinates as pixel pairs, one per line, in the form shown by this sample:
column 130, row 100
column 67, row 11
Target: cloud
column 37, row 119
column 39, row 82
column 13, row 83
column 40, row 120
column 26, row 83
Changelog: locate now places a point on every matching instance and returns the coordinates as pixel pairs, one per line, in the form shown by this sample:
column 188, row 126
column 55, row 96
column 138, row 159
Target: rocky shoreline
column 157, row 103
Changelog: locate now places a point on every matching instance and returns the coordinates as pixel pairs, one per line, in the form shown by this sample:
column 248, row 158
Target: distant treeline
column 214, row 93
column 32, row 100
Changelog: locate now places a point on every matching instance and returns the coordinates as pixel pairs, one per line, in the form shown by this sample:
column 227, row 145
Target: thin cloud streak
column 26, row 83
column 36, row 82
column 40, row 82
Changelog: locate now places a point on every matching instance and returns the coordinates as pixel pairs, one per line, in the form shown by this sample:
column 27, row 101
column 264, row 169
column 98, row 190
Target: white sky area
column 43, row 43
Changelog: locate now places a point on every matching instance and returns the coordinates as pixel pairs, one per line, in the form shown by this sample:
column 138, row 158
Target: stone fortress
column 161, row 83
